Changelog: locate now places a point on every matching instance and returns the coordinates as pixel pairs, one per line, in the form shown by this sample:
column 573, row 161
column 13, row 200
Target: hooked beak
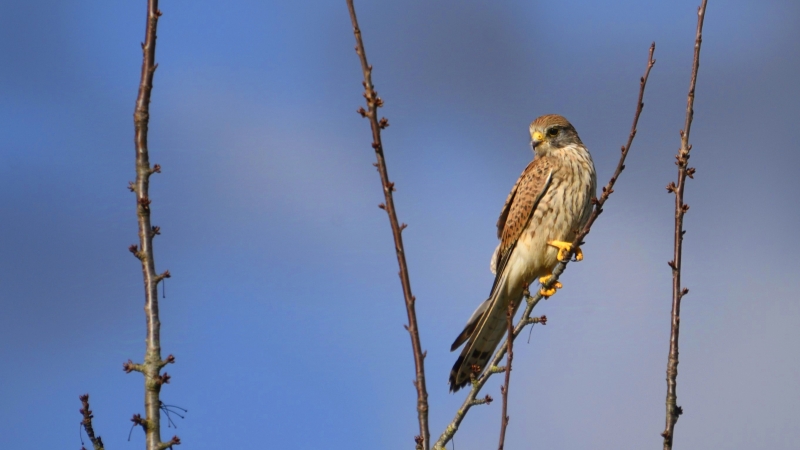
column 536, row 139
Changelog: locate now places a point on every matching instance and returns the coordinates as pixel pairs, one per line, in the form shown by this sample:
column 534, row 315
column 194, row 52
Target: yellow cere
column 537, row 136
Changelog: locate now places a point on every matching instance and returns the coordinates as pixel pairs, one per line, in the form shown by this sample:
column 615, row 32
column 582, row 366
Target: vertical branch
column 373, row 103
column 526, row 319
column 504, row 387
column 682, row 161
column 97, row 442
column 152, row 365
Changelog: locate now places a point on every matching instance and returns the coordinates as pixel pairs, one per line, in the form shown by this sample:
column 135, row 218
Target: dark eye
column 552, row 132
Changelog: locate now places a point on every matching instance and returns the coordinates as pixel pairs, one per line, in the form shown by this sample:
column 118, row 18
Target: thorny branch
column 97, row 442
column 152, row 365
column 504, row 388
column 526, row 319
column 373, row 103
column 682, row 161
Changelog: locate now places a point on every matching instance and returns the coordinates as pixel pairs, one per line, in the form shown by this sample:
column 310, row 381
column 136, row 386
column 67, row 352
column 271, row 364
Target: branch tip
column 134, row 249
column 165, row 445
column 163, row 379
column 163, row 275
column 137, row 420
column 487, row 400
column 97, row 441
column 129, row 366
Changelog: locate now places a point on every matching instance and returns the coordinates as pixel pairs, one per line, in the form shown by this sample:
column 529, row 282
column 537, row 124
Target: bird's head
column 552, row 132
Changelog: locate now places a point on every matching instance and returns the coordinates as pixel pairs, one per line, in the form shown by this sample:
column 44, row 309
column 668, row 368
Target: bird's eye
column 552, row 132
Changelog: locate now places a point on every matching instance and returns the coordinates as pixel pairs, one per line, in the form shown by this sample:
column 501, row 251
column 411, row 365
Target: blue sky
column 284, row 310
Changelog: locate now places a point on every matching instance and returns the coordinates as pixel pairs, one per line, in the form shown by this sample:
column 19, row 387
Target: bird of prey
column 548, row 204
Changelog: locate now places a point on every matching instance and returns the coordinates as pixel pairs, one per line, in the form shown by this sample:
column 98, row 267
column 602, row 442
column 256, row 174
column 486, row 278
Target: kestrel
column 550, row 201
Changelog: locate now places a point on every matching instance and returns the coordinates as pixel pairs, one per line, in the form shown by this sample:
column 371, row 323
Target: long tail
column 485, row 330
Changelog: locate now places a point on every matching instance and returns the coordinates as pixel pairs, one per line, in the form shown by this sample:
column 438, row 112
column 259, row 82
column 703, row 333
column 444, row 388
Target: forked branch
column 682, row 161
column 526, row 319
column 373, row 103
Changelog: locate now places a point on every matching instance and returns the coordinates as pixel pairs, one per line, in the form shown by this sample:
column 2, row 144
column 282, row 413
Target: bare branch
column 153, row 363
column 373, row 103
column 452, row 428
column 504, row 388
column 130, row 366
column 682, row 160
column 485, row 400
column 97, row 441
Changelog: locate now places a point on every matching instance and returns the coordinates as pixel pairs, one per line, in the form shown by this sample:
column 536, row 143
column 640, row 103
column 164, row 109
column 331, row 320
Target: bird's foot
column 552, row 289
column 563, row 250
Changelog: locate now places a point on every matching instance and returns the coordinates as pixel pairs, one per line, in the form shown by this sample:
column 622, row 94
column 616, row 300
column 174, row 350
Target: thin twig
column 373, row 103
column 682, row 161
column 97, row 442
column 526, row 319
column 152, row 365
column 504, row 388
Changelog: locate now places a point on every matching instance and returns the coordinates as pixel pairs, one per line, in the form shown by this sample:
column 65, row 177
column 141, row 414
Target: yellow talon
column 552, row 290
column 547, row 292
column 564, row 248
